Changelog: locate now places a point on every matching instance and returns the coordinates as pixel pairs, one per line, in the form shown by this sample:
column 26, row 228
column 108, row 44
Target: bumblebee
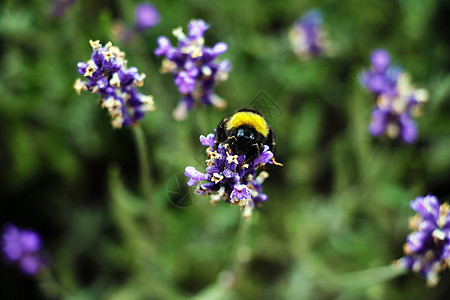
column 246, row 132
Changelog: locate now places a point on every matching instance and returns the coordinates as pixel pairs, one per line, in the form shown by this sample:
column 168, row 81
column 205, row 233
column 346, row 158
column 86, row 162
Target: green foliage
column 337, row 212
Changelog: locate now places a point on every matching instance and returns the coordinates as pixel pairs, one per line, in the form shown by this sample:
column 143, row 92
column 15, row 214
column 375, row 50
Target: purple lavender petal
column 380, row 119
column 264, row 157
column 194, row 175
column 197, row 28
column 240, row 192
column 219, row 48
column 228, row 173
column 185, row 83
column 208, row 140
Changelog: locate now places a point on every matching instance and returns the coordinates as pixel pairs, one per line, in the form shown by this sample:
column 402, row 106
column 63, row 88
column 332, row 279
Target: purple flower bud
column 82, row 67
column 416, row 241
column 260, row 198
column 194, row 175
column 185, row 83
column 224, row 66
column 127, row 77
column 380, row 119
column 240, row 192
column 197, row 28
column 376, row 83
column 23, row 248
column 213, row 169
column 189, row 101
column 219, row 48
column 446, row 253
column 102, row 83
column 164, row 46
column 380, row 60
column 30, row 265
column 98, row 58
column 427, row 207
column 228, row 173
column 146, row 15
column 408, row 128
column 30, row 241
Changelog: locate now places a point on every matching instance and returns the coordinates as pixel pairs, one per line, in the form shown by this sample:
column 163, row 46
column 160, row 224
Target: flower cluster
column 108, row 76
column 397, row 100
column 194, row 67
column 230, row 177
column 428, row 248
column 307, row 36
column 23, row 247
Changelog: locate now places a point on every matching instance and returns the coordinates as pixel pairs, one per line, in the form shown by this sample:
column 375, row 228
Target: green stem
column 50, row 286
column 364, row 278
column 238, row 254
column 144, row 164
column 200, row 120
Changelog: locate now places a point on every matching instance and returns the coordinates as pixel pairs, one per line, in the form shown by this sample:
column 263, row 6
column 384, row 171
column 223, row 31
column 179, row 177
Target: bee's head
column 245, row 133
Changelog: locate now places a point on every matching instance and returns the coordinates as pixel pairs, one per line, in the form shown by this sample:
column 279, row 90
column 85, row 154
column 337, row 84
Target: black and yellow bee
column 246, row 132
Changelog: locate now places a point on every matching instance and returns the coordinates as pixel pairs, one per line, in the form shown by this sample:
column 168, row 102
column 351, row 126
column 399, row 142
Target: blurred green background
column 339, row 205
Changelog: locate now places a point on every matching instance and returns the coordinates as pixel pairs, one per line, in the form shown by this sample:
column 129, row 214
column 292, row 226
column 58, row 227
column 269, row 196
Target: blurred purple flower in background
column 194, row 67
column 307, row 36
column 108, row 76
column 427, row 249
column 23, row 247
column 59, row 7
column 146, row 16
column 397, row 100
column 231, row 178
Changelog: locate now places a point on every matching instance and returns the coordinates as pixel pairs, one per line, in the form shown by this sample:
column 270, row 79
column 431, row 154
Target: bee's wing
column 221, row 132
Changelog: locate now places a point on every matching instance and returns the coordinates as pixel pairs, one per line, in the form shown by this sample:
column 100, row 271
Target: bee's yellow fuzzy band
column 249, row 118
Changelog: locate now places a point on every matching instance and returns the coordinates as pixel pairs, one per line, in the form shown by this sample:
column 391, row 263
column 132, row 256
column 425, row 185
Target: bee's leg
column 258, row 151
column 271, row 144
column 270, row 140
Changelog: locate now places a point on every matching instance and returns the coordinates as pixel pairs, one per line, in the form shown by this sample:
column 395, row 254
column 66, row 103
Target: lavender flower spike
column 194, row 67
column 307, row 36
column 23, row 248
column 427, row 248
column 108, row 76
column 231, row 178
column 397, row 101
